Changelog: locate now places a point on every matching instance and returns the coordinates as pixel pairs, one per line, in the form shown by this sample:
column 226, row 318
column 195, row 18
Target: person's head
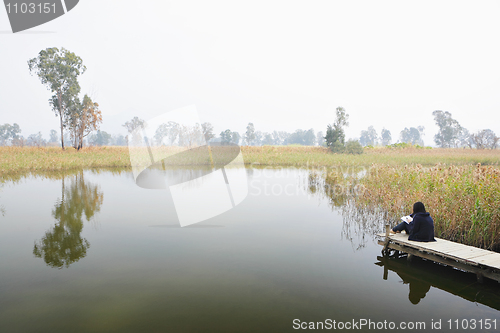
column 418, row 207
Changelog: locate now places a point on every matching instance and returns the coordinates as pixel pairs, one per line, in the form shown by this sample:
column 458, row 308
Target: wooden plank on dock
column 469, row 254
column 489, row 260
column 470, row 258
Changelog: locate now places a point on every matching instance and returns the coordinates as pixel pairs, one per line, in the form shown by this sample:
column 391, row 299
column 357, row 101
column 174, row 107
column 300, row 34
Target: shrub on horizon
column 353, row 147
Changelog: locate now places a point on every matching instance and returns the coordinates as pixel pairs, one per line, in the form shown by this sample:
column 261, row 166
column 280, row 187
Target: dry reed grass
column 13, row 159
column 320, row 156
column 464, row 201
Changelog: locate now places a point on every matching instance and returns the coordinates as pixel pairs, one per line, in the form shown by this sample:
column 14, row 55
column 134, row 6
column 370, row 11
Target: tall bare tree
column 58, row 70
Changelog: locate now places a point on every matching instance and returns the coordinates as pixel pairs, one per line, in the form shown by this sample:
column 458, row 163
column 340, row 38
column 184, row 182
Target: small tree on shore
column 335, row 136
column 82, row 119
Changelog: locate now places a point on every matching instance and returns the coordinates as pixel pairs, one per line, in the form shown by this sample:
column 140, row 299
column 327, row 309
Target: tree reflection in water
column 63, row 245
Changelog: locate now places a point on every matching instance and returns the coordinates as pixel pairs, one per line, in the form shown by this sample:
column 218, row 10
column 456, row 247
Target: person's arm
column 416, row 224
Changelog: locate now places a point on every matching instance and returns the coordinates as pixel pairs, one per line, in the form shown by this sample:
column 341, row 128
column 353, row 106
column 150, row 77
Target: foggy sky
column 282, row 65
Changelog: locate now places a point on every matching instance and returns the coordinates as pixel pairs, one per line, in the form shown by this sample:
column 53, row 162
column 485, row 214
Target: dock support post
column 386, row 243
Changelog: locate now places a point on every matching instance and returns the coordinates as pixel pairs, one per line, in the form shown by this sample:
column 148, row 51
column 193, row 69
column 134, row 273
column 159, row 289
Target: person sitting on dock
column 421, row 228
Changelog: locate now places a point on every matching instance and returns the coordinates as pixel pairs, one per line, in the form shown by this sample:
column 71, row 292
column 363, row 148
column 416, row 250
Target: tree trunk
column 59, row 97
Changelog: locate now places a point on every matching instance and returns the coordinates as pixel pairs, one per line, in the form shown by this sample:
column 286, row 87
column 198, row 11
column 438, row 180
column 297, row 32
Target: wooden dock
column 483, row 263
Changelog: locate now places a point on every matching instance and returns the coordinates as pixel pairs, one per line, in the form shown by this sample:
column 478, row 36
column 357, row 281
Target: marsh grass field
column 464, row 201
column 30, row 159
column 461, row 187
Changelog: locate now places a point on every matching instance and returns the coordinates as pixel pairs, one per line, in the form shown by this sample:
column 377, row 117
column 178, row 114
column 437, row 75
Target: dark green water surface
column 93, row 252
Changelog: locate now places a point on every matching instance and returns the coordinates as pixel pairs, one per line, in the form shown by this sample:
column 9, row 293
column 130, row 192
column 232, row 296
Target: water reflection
column 421, row 275
column 2, row 208
column 361, row 223
column 276, row 259
column 157, row 177
column 63, row 245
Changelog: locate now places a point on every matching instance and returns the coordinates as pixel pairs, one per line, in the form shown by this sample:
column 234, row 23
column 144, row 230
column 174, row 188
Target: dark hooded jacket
column 421, row 228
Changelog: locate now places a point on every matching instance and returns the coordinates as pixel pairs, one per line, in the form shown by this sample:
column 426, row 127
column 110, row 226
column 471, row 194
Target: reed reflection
column 2, row 208
column 361, row 223
column 63, row 245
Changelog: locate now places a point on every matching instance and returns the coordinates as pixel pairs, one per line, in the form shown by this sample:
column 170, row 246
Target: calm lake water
column 93, row 252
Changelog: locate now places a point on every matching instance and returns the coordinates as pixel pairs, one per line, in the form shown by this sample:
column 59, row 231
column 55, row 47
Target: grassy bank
column 318, row 156
column 14, row 159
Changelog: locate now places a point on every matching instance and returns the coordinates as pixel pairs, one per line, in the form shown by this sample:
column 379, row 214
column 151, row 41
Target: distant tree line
column 299, row 137
column 450, row 135
column 58, row 70
column 172, row 133
column 412, row 135
column 10, row 135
